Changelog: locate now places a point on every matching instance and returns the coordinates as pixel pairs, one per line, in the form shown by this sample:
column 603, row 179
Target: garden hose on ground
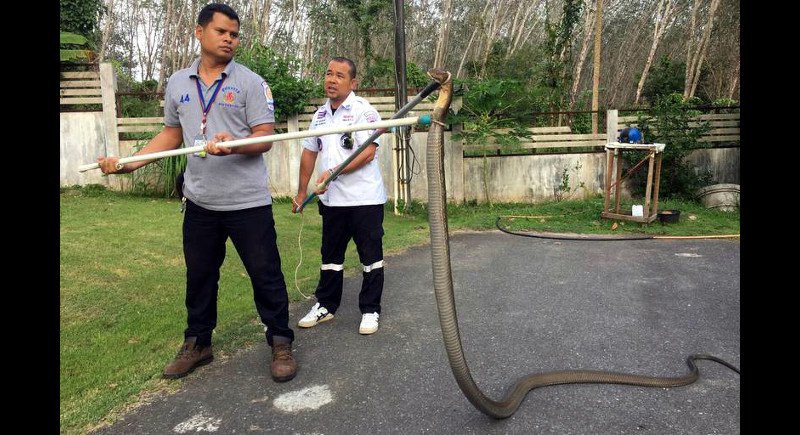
column 445, row 302
column 606, row 238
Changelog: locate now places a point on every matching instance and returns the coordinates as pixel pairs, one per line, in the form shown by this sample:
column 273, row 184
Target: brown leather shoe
column 190, row 356
column 283, row 367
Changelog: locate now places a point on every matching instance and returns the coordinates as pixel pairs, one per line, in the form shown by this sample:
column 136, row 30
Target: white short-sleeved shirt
column 363, row 186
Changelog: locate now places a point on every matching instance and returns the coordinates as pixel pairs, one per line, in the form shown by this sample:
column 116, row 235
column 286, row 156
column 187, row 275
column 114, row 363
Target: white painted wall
column 532, row 178
column 82, row 140
column 722, row 162
column 510, row 178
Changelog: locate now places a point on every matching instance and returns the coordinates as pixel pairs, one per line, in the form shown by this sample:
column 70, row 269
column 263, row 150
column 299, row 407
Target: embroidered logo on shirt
column 185, row 98
column 347, row 118
column 321, row 114
column 228, row 95
column 372, row 116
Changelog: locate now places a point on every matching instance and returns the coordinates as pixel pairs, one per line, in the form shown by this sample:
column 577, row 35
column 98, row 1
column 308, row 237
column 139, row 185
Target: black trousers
column 364, row 225
column 252, row 232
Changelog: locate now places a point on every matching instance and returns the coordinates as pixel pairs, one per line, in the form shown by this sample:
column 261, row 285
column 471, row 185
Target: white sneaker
column 369, row 323
column 316, row 315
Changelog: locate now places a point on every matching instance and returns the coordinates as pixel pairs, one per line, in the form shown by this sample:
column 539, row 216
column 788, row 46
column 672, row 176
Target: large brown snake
column 443, row 288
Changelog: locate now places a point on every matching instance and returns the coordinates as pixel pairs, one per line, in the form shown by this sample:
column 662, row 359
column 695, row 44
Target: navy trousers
column 252, row 232
column 364, row 225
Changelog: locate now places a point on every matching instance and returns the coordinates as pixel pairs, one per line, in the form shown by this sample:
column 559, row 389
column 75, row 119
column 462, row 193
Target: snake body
column 445, row 301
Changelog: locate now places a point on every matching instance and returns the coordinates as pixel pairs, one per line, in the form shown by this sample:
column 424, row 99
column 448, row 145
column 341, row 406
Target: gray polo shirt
column 244, row 100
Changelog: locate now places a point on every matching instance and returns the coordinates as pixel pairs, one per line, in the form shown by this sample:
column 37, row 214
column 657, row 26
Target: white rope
column 300, row 247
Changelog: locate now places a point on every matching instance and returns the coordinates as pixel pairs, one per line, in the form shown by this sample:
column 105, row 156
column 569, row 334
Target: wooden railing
column 724, row 126
column 151, row 125
column 724, row 129
column 80, row 88
column 544, row 137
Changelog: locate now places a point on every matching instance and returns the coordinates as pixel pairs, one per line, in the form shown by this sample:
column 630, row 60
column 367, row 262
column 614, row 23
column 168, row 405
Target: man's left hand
column 216, row 150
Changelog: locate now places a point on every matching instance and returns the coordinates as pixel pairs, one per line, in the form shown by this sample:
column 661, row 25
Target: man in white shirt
column 351, row 205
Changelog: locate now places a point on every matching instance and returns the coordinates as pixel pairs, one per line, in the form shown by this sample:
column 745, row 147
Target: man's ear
column 354, row 84
column 198, row 31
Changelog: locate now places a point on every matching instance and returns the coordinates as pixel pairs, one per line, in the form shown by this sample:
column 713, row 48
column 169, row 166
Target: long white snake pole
column 422, row 119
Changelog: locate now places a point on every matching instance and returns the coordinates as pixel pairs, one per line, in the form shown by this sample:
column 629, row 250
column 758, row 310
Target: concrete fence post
column 108, row 91
column 293, row 124
column 294, row 150
column 611, row 125
column 455, row 154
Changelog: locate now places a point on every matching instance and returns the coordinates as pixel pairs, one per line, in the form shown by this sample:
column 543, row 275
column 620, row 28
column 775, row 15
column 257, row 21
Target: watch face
column 346, row 141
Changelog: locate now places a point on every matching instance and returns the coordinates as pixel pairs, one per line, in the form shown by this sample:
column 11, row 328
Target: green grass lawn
column 122, row 281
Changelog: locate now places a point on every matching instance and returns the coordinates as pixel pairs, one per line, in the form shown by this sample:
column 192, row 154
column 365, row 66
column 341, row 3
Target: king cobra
column 445, row 302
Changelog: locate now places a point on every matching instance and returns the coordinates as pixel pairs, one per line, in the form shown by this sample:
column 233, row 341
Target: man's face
column 338, row 83
column 219, row 38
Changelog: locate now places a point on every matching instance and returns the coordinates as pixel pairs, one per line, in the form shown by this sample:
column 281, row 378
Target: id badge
column 200, row 140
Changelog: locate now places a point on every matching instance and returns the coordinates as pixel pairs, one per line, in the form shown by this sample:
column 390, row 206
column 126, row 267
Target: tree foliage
column 530, row 43
column 381, row 74
column 81, row 17
column 363, row 15
column 291, row 94
column 491, row 104
column 665, row 78
column 557, row 52
column 668, row 122
column 75, row 47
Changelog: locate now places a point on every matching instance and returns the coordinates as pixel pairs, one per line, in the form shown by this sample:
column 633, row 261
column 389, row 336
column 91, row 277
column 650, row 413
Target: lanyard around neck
column 207, row 107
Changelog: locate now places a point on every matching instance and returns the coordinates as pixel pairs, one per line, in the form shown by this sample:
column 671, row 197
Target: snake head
column 441, row 76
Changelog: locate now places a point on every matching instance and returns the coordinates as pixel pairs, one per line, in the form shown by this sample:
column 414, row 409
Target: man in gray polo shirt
column 225, row 190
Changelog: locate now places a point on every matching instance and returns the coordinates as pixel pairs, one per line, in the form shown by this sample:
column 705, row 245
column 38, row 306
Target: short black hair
column 207, row 13
column 349, row 63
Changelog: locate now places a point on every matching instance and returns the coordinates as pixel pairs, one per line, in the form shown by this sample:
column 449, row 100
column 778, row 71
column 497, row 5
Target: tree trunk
column 690, row 50
column 308, row 50
column 703, row 48
column 190, row 44
column 663, row 18
column 498, row 17
column 444, row 32
column 472, row 38
column 466, row 51
column 255, row 21
column 149, row 18
column 735, row 81
column 131, row 33
column 107, row 30
column 620, row 66
column 168, row 49
column 588, row 24
column 263, row 21
column 598, row 34
column 521, row 29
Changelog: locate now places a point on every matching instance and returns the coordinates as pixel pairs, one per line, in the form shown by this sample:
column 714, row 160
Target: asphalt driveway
column 525, row 305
